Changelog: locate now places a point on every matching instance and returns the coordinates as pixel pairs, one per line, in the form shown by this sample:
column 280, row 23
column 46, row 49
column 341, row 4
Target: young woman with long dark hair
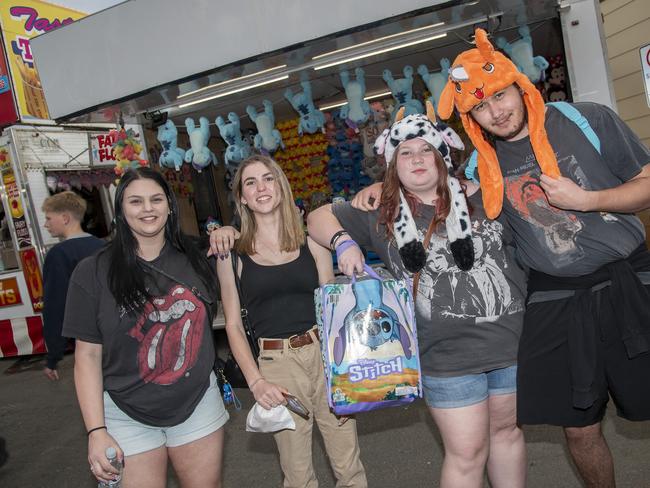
column 469, row 295
column 141, row 311
column 279, row 269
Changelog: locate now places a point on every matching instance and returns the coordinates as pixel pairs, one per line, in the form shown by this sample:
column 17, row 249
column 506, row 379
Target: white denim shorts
column 135, row 437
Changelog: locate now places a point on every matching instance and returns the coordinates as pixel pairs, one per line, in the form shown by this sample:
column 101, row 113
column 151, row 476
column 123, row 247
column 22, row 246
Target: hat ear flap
column 446, row 101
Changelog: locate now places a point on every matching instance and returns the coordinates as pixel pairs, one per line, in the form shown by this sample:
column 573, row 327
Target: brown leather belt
column 293, row 342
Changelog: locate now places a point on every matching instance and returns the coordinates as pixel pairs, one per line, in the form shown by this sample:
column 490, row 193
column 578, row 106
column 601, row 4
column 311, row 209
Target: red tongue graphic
column 479, row 94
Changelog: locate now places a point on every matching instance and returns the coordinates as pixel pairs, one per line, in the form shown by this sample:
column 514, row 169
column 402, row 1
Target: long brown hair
column 292, row 234
column 389, row 203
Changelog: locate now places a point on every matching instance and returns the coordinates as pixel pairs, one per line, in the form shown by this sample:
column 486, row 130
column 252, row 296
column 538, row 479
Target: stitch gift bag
column 369, row 344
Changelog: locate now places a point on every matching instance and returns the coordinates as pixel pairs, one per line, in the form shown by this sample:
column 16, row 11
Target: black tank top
column 280, row 299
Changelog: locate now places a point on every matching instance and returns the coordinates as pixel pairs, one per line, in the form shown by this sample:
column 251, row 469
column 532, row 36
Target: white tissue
column 261, row 420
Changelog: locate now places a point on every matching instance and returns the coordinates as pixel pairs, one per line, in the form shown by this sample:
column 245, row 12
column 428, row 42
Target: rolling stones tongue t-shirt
column 156, row 362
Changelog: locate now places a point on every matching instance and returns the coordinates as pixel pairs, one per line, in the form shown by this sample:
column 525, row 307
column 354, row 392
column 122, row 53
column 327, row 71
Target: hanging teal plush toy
column 402, row 91
column 435, row 81
column 311, row 119
column 238, row 149
column 199, row 154
column 268, row 138
column 521, row 53
column 357, row 110
column 172, row 156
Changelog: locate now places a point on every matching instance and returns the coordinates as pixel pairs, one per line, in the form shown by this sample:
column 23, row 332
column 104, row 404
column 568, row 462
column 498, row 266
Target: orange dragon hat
column 475, row 75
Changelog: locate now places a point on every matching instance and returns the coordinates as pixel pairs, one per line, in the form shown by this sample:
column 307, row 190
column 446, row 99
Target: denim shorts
column 463, row 391
column 134, row 437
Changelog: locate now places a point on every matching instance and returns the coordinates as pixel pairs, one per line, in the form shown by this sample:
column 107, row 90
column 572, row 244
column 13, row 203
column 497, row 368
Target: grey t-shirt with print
column 571, row 243
column 468, row 321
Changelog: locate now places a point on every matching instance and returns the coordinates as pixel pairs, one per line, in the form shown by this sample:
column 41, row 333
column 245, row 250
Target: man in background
column 64, row 213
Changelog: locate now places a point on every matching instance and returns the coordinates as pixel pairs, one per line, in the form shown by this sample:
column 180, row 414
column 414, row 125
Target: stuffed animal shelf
column 357, row 110
column 402, row 91
column 311, row 119
column 521, row 53
column 199, row 154
column 268, row 138
column 172, row 156
column 435, row 82
column 238, row 149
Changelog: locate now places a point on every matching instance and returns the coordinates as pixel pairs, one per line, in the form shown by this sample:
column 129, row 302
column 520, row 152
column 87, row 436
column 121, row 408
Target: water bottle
column 111, row 455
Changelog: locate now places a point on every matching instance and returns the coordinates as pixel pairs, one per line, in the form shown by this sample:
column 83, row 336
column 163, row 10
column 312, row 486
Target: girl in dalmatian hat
column 469, row 294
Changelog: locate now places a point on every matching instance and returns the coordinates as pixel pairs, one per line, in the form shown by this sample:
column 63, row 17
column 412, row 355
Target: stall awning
column 129, row 49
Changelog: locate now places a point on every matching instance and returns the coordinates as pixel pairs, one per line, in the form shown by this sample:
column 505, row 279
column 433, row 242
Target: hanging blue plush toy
column 521, row 53
column 370, row 323
column 435, row 81
column 238, row 149
column 268, row 138
column 172, row 156
column 357, row 110
column 402, row 91
column 311, row 119
column 199, row 154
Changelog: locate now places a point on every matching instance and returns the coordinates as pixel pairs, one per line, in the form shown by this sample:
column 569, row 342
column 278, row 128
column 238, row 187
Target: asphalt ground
column 400, row 447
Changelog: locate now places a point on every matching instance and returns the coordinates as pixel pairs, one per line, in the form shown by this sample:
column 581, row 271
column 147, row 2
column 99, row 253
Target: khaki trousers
column 301, row 372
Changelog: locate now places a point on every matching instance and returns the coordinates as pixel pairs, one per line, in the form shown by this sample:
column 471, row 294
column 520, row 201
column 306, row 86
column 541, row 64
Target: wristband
column 336, row 236
column 250, row 387
column 344, row 246
column 94, row 429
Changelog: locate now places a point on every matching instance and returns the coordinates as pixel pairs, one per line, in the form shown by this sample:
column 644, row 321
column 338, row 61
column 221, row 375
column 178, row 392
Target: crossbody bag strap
column 195, row 291
column 427, row 239
column 248, row 327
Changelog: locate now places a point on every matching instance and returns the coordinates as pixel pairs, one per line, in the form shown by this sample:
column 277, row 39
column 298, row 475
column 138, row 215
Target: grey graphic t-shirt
column 468, row 321
column 571, row 243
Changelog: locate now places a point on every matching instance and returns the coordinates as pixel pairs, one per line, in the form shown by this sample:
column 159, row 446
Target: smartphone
column 296, row 406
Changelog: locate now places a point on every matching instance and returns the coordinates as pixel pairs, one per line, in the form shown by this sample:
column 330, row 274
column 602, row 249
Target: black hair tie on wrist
column 96, row 428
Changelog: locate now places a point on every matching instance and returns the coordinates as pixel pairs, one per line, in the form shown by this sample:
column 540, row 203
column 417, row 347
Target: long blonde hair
column 291, row 234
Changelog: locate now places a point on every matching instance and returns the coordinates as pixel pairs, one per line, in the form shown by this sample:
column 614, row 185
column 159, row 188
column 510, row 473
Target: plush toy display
column 311, row 119
column 435, row 81
column 172, row 156
column 304, row 161
column 402, row 91
column 357, row 110
column 238, row 149
column 268, row 138
column 199, row 154
column 521, row 53
column 126, row 150
column 556, row 89
column 475, row 75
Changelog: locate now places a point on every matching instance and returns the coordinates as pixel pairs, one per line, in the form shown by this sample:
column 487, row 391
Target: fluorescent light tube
column 369, row 97
column 399, row 34
column 236, row 90
column 231, row 81
column 380, row 51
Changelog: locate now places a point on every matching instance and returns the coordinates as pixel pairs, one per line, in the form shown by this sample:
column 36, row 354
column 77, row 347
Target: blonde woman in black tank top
column 279, row 269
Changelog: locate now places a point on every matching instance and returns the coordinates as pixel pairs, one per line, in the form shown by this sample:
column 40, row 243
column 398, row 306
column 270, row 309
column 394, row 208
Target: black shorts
column 544, row 393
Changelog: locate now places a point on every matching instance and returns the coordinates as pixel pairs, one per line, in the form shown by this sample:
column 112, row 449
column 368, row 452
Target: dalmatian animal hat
column 459, row 229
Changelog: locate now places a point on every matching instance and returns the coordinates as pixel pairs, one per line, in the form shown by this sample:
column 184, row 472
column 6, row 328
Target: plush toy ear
column 446, row 101
column 380, row 143
column 431, row 114
column 452, row 138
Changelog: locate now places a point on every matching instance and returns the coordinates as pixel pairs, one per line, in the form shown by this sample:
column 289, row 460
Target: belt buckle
column 292, row 337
